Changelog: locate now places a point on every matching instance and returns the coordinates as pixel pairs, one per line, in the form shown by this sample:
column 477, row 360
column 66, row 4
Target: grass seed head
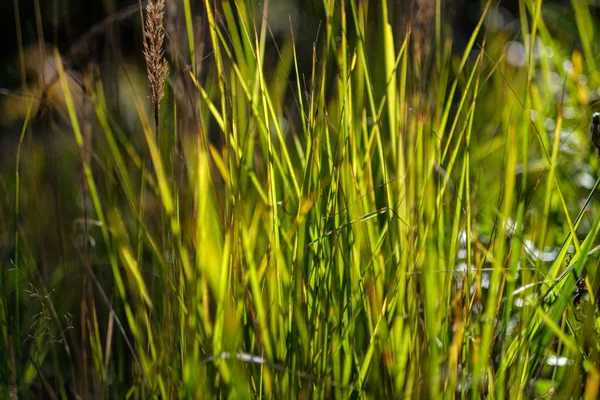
column 156, row 63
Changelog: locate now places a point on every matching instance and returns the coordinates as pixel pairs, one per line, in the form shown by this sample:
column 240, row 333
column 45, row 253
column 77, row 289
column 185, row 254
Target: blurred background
column 104, row 31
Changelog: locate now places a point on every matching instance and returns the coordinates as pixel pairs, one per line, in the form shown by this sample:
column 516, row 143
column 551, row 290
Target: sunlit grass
column 381, row 240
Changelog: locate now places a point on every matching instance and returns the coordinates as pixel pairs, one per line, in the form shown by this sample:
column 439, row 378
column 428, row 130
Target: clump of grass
column 388, row 243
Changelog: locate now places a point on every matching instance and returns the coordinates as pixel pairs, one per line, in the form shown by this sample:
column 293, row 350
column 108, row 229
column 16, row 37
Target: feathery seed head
column 156, row 63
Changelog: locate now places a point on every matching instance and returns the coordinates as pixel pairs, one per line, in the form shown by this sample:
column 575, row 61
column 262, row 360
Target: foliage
column 398, row 233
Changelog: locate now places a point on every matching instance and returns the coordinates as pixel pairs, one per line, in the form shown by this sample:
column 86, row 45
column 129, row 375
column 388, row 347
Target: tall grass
column 397, row 235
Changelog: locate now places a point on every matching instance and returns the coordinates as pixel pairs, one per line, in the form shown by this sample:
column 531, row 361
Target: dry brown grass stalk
column 157, row 66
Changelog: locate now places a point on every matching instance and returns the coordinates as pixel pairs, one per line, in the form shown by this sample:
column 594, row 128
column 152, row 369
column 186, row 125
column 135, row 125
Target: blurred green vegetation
column 328, row 211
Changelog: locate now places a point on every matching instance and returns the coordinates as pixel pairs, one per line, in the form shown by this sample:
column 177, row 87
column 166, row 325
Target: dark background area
column 67, row 21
